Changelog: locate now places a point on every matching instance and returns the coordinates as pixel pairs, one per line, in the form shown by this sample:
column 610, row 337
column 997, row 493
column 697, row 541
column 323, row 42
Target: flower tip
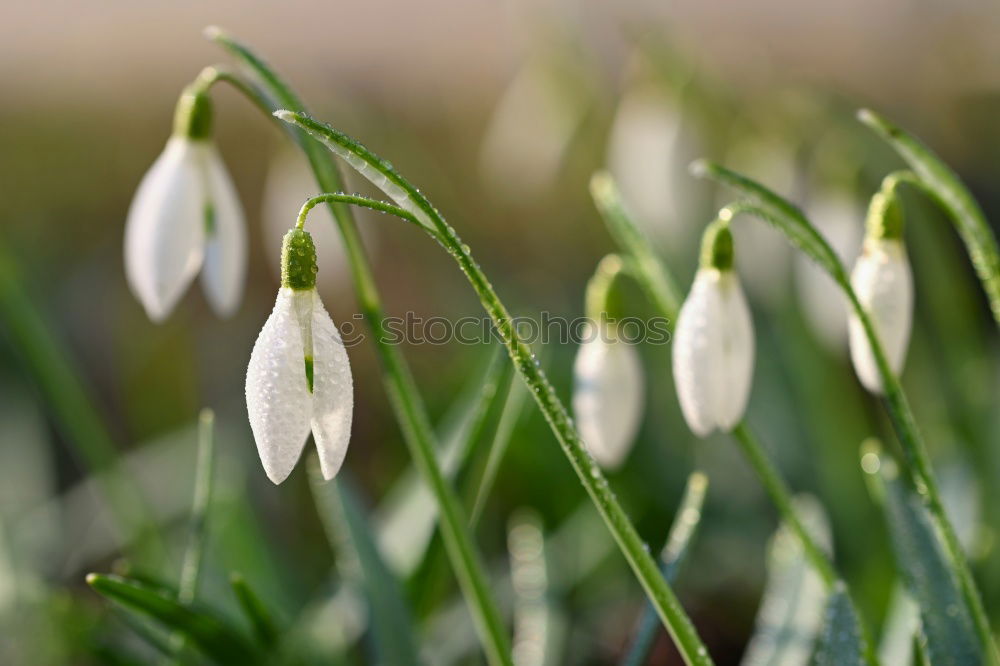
column 700, row 168
column 213, row 33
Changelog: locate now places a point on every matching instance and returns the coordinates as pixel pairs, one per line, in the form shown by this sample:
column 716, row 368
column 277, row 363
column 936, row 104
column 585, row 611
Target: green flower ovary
column 298, row 260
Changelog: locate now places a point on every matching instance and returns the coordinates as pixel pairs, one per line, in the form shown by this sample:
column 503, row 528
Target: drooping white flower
column 649, row 148
column 299, row 378
column 607, row 396
column 186, row 217
column 883, row 282
column 713, row 343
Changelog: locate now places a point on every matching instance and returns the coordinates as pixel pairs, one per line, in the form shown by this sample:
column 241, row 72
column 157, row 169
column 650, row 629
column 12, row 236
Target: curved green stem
column 407, row 196
column 771, row 208
column 357, row 200
column 400, row 386
column 946, row 188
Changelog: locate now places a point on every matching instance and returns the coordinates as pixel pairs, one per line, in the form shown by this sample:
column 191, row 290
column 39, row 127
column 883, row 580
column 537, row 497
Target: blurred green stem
column 400, row 386
column 421, row 211
column 195, row 553
column 48, row 362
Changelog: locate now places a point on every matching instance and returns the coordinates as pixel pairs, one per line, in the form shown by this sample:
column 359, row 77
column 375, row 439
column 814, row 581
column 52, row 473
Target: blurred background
column 499, row 112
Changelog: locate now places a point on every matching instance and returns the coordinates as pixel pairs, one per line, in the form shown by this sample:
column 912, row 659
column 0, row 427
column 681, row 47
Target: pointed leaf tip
column 286, row 115
column 212, row 33
column 700, row 168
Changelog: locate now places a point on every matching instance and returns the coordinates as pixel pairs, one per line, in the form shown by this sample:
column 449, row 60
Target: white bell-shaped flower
column 607, row 395
column 713, row 344
column 299, row 378
column 883, row 282
column 186, row 217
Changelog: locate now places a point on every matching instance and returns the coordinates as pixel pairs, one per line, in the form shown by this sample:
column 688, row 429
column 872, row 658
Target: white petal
column 164, row 233
column 695, row 345
column 884, row 284
column 607, row 398
column 736, row 352
column 224, row 272
column 333, row 392
column 278, row 400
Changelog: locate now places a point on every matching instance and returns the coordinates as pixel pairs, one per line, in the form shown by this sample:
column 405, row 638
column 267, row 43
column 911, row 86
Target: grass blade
column 48, row 362
column 679, row 538
column 529, row 576
column 944, row 185
column 841, row 642
column 792, row 608
column 345, row 525
column 946, row 620
column 265, row 630
column 212, row 635
column 195, row 553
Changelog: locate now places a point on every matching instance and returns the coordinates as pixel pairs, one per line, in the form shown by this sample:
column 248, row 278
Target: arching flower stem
column 677, row 622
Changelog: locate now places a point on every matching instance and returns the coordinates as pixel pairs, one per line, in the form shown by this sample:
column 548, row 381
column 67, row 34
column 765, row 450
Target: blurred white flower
column 649, row 149
column 531, row 128
column 607, row 396
column 186, row 217
column 299, row 378
column 884, row 284
column 289, row 182
column 713, row 343
column 838, row 217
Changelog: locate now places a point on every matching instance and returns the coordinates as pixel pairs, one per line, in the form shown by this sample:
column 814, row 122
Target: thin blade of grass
column 946, row 621
column 841, row 642
column 345, row 525
column 533, row 619
column 679, row 538
column 195, row 553
column 209, row 633
column 792, row 608
column 944, row 185
column 49, row 364
column 265, row 629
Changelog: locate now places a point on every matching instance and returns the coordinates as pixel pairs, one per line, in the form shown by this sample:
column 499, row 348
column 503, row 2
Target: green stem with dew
column 420, row 211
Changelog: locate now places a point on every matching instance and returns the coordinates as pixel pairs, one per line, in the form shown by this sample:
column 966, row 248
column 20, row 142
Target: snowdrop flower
column 713, row 350
column 299, row 378
column 884, row 284
column 607, row 378
column 649, row 148
column 186, row 217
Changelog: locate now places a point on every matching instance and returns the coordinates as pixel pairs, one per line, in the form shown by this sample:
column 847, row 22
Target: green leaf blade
column 841, row 642
column 212, row 635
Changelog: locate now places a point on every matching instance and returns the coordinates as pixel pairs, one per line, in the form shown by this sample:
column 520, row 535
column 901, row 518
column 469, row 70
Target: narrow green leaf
column 193, row 556
column 679, row 538
column 212, row 635
column 265, row 629
column 841, row 642
column 944, row 185
column 946, row 619
column 49, row 364
column 638, row 248
column 792, row 608
column 392, row 626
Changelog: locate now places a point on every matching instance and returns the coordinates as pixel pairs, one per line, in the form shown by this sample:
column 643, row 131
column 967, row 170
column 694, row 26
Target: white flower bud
column 884, row 285
column 607, row 397
column 713, row 344
column 184, row 217
column 299, row 377
column 299, row 381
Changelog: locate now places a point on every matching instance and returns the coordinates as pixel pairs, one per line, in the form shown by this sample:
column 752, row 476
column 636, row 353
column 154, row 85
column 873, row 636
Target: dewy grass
column 419, row 210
